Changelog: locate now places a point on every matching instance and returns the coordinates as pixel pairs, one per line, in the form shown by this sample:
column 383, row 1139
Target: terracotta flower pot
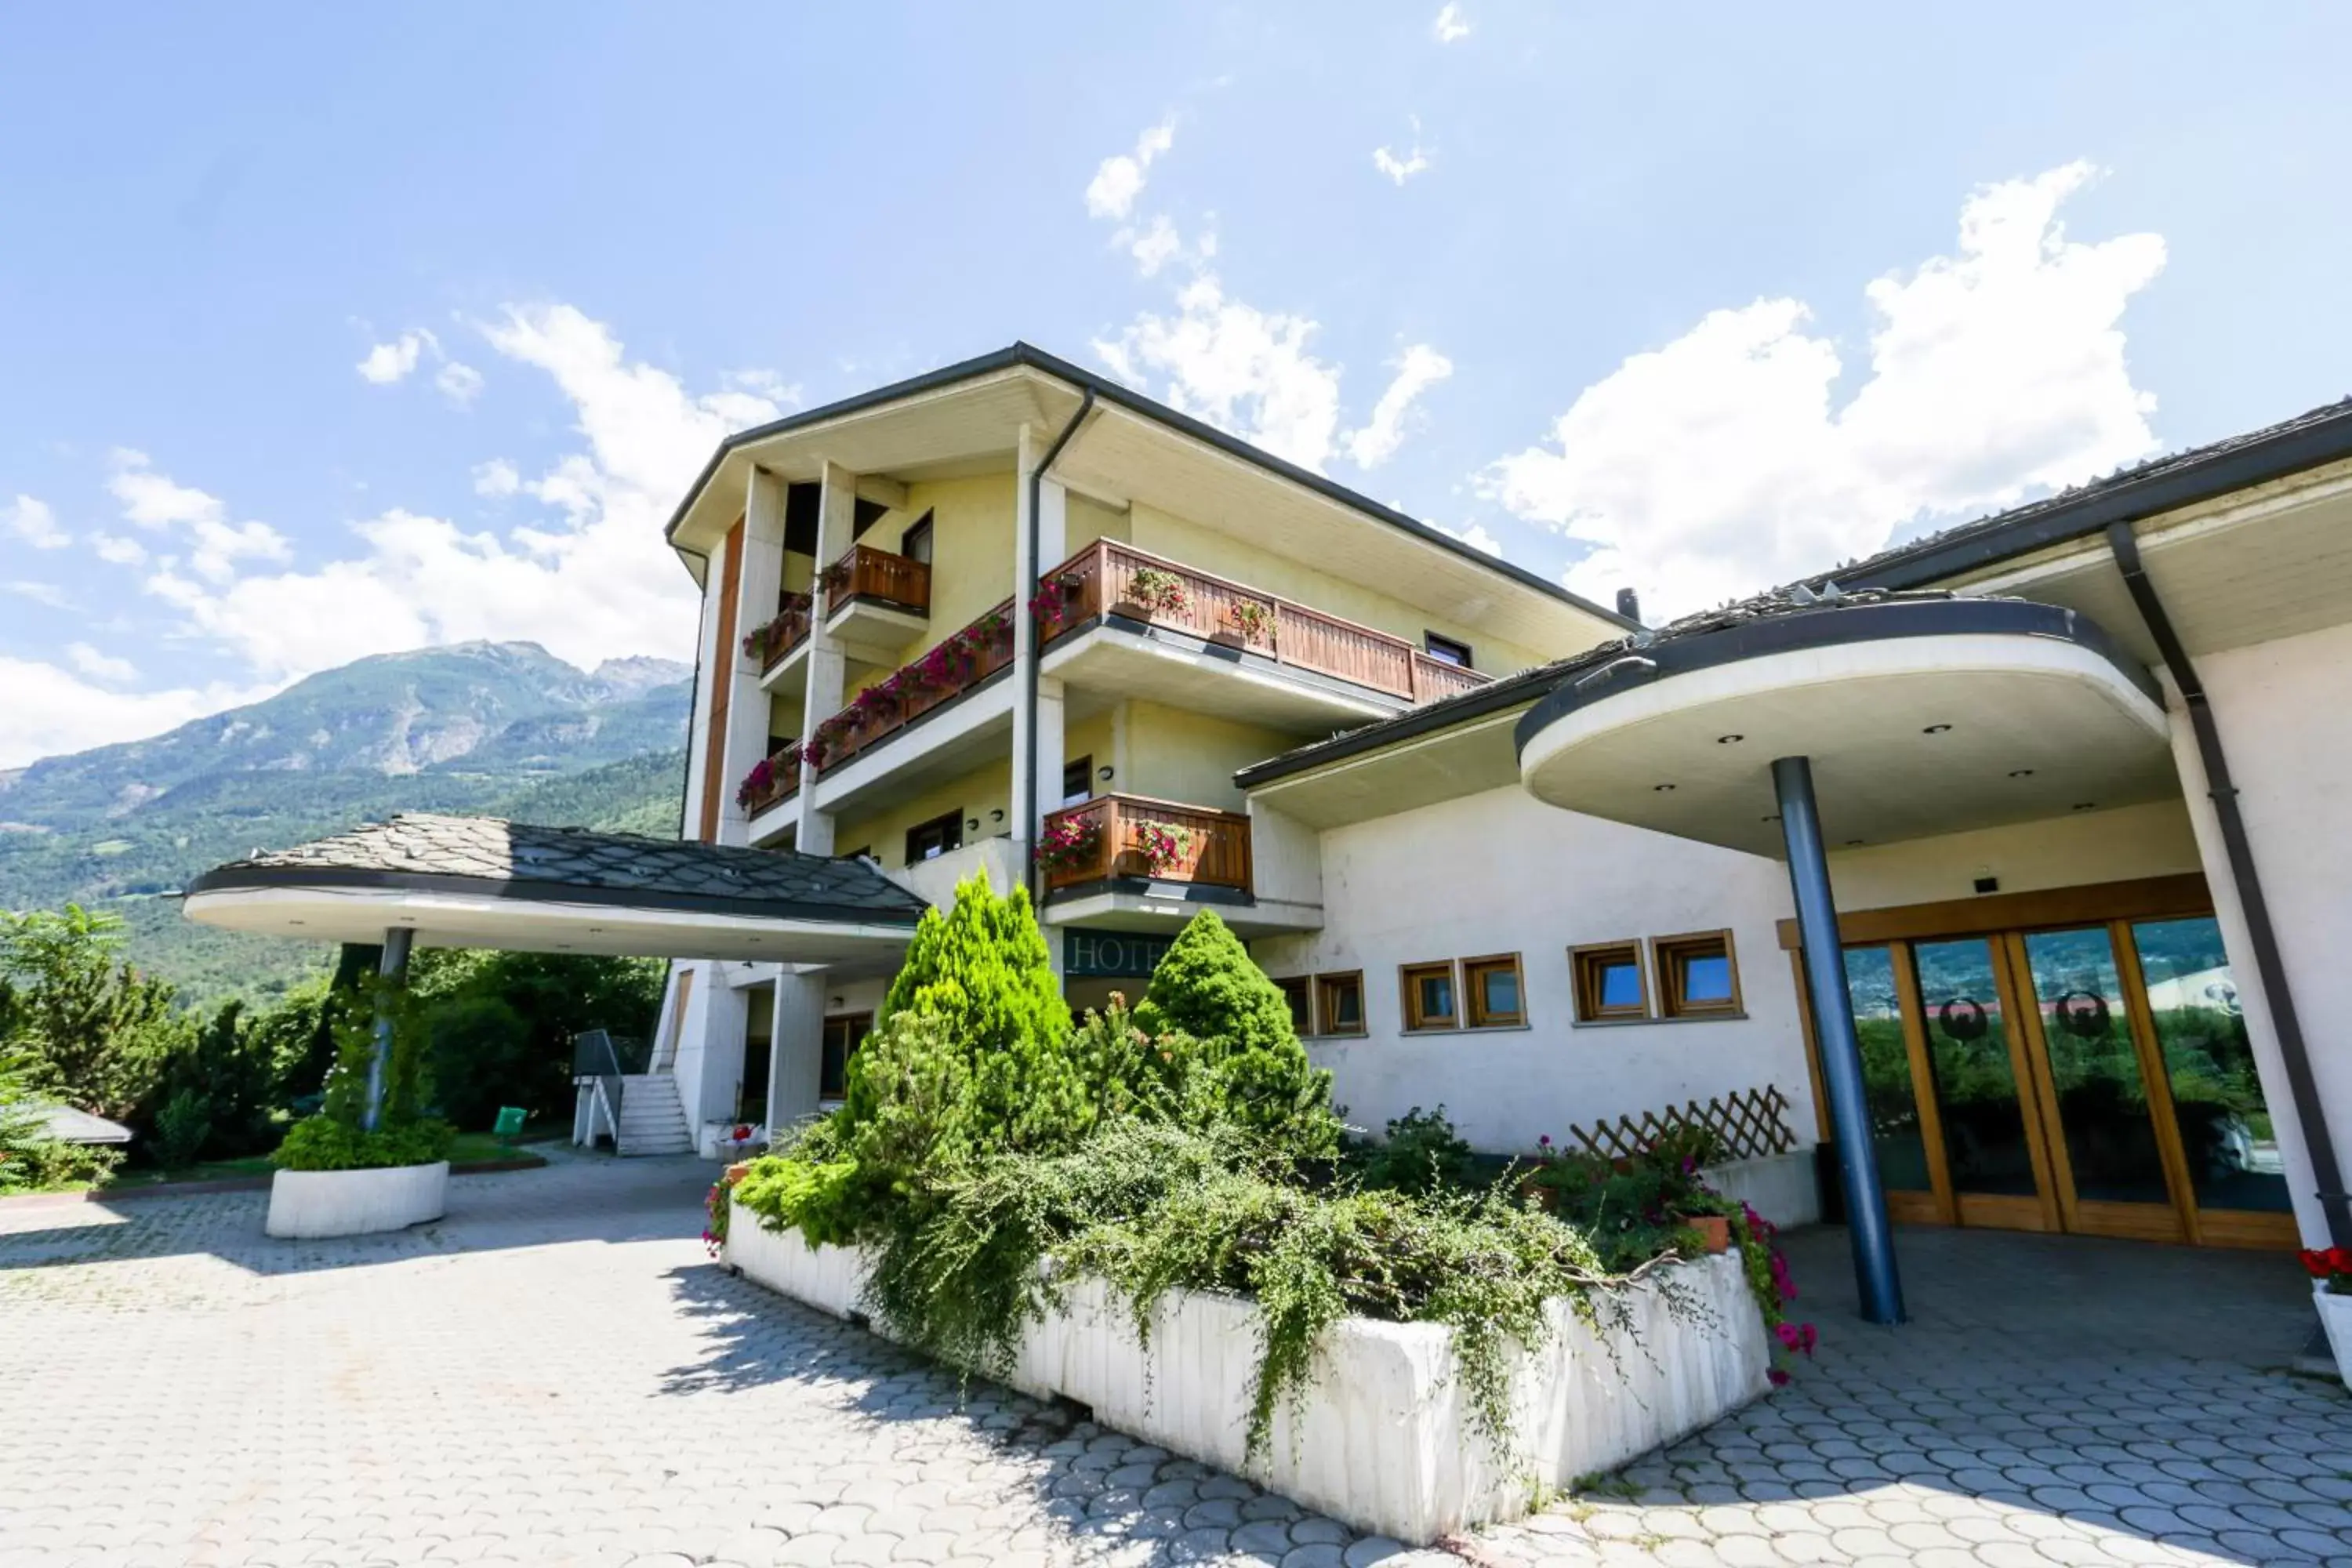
column 737, row 1172
column 1715, row 1229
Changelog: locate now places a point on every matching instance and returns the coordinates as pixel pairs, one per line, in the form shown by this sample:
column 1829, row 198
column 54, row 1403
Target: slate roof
column 427, row 852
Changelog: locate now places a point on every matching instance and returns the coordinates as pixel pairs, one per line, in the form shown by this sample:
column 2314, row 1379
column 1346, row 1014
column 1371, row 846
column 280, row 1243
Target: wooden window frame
column 1409, row 976
column 1667, row 956
column 849, row 1051
column 1586, row 965
column 922, row 530
column 1325, row 1013
column 1432, row 641
column 952, row 821
column 1298, row 990
column 1085, row 768
column 1471, row 1003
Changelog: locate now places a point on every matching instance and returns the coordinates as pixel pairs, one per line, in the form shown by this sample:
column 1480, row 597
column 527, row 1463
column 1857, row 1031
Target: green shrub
column 181, row 1129
column 1420, row 1154
column 31, row 1160
column 1209, row 988
column 323, row 1143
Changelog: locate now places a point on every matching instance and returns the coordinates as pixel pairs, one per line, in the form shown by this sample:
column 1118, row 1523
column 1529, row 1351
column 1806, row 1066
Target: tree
column 98, row 1033
column 1210, row 989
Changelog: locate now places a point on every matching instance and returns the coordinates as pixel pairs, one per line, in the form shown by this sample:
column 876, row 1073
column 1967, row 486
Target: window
column 1493, row 990
column 1429, row 997
column 1445, row 650
column 1696, row 976
column 1339, row 1003
column 843, row 1036
column 930, row 840
column 1078, row 781
column 915, row 544
column 1610, row 984
column 1298, row 991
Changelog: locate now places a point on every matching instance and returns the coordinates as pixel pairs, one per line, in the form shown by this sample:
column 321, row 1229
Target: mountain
column 505, row 729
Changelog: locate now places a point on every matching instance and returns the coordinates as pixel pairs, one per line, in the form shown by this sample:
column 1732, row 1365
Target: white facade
column 1499, row 872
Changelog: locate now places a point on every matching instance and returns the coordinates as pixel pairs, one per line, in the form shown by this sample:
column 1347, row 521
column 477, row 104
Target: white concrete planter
column 354, row 1203
column 1780, row 1187
column 2336, row 1317
column 1385, row 1439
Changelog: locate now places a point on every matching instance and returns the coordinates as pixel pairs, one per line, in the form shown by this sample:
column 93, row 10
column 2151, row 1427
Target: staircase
column 652, row 1119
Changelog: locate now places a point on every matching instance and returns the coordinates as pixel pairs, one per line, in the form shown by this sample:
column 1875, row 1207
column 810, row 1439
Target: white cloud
column 1155, row 247
column 388, row 363
column 1476, row 536
column 1237, row 367
column 100, row 665
column 496, row 478
column 1400, row 169
column 461, row 383
column 1118, row 179
column 1718, row 465
column 52, row 711
column 1421, row 368
column 119, row 548
column 1451, row 23
column 152, row 500
column 48, row 593
column 33, row 522
column 597, row 583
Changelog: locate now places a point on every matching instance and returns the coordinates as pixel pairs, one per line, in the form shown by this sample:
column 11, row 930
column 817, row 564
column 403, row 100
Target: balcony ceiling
column 1921, row 718
column 1446, row 764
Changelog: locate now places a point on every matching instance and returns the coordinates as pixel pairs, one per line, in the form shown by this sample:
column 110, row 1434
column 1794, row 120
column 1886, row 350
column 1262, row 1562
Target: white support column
column 1037, row 739
column 710, row 1047
column 828, row 670
column 761, row 582
column 711, row 671
column 796, row 1046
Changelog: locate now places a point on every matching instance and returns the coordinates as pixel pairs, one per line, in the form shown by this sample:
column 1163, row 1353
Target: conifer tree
column 1208, row 988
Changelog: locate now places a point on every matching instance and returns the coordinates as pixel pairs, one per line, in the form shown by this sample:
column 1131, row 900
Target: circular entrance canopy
column 1922, row 715
column 476, row 881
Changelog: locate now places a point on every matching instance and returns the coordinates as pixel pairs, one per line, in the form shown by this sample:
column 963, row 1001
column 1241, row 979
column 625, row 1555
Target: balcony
column 1128, row 835
column 774, row 644
column 955, row 665
column 773, row 781
column 876, row 603
column 1109, row 578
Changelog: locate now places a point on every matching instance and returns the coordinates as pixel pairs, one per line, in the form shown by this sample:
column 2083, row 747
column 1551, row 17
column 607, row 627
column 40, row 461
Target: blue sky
column 1683, row 302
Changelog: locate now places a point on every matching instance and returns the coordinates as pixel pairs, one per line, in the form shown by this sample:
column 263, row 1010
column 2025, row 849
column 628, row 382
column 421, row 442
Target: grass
column 470, row 1148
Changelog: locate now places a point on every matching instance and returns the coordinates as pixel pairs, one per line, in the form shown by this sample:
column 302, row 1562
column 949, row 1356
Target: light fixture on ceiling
column 2085, row 804
column 1853, row 843
column 1935, row 729
column 1774, row 817
column 2020, row 772
column 1663, row 789
column 1729, row 740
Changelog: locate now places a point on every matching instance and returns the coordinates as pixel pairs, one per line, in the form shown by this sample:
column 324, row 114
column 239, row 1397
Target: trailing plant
column 1254, row 618
column 1069, row 842
column 1159, row 590
column 757, row 782
column 1163, row 843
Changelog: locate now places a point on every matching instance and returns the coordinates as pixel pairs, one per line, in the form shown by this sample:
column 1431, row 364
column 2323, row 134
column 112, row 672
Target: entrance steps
column 653, row 1121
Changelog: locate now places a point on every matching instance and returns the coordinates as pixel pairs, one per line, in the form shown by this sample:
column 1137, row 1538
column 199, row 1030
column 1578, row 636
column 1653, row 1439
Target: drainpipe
column 2324, row 1169
column 1029, row 674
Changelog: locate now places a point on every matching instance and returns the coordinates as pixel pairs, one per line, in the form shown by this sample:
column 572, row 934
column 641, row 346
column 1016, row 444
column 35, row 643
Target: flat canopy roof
column 477, row 881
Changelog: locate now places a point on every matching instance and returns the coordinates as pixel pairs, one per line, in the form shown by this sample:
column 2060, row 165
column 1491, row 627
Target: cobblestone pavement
column 557, row 1372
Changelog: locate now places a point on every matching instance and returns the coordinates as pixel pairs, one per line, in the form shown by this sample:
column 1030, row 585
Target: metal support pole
column 393, row 967
column 1841, row 1049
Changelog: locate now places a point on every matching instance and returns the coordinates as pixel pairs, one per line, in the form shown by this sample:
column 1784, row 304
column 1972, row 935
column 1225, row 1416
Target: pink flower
column 1789, row 1335
column 1780, row 1379
column 1806, row 1337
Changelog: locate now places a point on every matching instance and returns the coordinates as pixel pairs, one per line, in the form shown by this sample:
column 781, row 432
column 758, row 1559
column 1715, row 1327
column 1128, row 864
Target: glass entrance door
column 2092, row 1077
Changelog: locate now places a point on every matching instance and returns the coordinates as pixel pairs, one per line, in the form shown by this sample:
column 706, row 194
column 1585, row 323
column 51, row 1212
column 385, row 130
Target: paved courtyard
column 558, row 1374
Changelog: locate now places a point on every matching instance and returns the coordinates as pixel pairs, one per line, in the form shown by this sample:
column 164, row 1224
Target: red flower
column 1780, row 1379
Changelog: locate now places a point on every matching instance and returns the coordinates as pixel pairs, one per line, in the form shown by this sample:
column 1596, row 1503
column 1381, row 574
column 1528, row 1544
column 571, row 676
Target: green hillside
column 504, row 728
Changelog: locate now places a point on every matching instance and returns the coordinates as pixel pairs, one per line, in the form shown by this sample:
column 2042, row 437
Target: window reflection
column 2217, row 1100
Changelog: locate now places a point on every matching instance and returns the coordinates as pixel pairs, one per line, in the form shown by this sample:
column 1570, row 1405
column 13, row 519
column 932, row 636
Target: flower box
column 309, row 1203
column 1385, row 1440
column 2336, row 1317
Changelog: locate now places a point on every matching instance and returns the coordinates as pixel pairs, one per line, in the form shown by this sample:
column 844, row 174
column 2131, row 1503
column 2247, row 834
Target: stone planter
column 354, row 1203
column 1385, row 1440
column 1780, row 1187
column 2336, row 1317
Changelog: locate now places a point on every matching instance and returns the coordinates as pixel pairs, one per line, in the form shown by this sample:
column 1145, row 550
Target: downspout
column 2260, row 933
column 1030, row 674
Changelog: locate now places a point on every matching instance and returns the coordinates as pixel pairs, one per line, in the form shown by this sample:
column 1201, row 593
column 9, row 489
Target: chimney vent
column 1629, row 605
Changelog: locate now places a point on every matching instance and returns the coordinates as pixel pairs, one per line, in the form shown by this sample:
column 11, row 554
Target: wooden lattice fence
column 1749, row 1122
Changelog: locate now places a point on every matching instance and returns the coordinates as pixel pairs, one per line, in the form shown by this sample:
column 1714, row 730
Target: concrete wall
column 977, row 795
column 971, row 554
column 1499, row 872
column 2132, row 841
column 1221, row 555
column 2284, row 709
column 1192, row 758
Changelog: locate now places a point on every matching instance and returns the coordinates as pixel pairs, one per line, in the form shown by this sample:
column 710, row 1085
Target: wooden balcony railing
column 772, row 643
column 1110, row 577
column 954, row 666
column 772, row 782
column 865, row 573
column 1132, row 836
